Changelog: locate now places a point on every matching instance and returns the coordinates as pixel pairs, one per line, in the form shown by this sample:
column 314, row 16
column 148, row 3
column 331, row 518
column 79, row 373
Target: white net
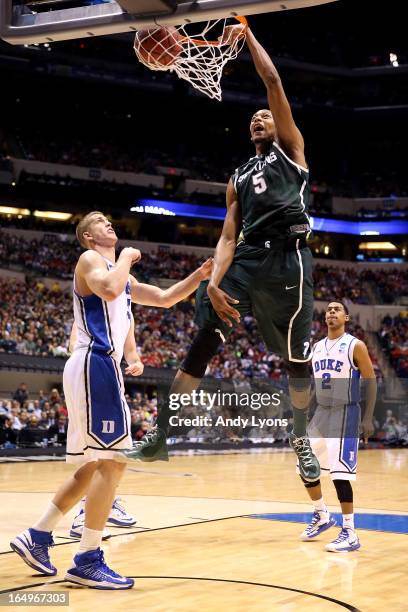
column 198, row 58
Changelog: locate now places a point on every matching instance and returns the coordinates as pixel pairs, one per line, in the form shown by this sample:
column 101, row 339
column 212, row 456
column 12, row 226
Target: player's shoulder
column 317, row 346
column 90, row 258
column 244, row 167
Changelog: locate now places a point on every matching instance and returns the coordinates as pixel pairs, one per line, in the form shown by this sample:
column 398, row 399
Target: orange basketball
column 159, row 47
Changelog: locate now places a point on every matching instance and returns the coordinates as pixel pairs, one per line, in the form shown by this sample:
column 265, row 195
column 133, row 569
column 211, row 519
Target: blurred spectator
column 8, row 436
column 21, row 394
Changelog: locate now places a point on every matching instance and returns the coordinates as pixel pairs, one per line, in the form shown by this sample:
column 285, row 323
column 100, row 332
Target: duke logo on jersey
column 337, row 378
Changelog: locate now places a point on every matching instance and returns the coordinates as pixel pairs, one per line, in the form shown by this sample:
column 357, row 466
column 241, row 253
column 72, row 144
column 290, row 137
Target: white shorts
column 329, row 432
column 98, row 415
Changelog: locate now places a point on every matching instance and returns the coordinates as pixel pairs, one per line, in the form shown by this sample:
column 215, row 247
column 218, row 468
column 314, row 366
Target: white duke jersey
column 337, row 379
column 103, row 326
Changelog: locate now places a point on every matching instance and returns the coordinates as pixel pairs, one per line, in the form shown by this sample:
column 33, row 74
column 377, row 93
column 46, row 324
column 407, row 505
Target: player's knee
column 204, row 347
column 110, row 467
column 299, row 375
column 344, row 491
column 310, row 485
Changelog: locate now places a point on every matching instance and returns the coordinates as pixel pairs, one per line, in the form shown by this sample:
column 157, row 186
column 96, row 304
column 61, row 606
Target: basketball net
column 202, row 60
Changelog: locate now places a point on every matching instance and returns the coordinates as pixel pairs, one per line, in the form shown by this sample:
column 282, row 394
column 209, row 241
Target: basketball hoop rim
column 216, row 43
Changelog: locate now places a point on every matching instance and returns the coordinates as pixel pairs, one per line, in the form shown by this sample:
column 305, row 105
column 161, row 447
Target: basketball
column 159, row 47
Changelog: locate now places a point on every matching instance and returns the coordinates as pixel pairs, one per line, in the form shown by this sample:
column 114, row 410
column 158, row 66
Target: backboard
column 41, row 21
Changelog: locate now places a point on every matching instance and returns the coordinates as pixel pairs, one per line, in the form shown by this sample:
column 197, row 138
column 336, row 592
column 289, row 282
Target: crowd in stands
column 394, row 340
column 135, row 158
column 50, row 256
column 43, row 421
column 391, row 284
column 345, row 284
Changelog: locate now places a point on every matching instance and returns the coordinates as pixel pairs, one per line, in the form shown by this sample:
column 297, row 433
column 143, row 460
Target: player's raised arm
column 149, row 295
column 363, row 362
column 107, row 284
column 288, row 134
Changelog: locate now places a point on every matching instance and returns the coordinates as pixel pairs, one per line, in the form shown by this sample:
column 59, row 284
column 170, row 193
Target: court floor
column 221, row 532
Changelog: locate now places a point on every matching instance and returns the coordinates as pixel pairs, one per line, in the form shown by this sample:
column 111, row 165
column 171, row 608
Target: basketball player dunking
column 262, row 264
column 338, row 360
column 99, row 417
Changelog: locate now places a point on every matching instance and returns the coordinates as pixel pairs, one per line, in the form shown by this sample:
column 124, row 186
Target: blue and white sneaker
column 89, row 569
column 346, row 541
column 32, row 546
column 319, row 523
column 78, row 523
column 118, row 517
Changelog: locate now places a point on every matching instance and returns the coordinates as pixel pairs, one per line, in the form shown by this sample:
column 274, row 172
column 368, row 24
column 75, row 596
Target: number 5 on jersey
column 259, row 182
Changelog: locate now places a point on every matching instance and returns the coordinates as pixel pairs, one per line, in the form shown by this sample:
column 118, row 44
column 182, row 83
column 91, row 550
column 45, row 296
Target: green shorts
column 276, row 287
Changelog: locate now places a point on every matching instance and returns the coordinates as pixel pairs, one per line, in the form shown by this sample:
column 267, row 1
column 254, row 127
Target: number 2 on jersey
column 259, row 182
column 326, row 381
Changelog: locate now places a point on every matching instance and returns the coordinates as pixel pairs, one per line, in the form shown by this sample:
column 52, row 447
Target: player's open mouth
column 258, row 128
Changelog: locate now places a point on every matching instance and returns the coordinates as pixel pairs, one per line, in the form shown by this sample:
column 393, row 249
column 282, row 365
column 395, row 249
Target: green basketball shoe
column 152, row 447
column 309, row 466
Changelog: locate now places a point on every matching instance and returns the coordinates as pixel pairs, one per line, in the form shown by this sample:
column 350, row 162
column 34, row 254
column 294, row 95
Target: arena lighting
column 50, row 214
column 318, row 224
column 377, row 246
column 10, row 210
column 394, row 60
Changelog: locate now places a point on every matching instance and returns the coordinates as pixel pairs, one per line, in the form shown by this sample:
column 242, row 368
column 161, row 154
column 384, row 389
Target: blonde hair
column 83, row 226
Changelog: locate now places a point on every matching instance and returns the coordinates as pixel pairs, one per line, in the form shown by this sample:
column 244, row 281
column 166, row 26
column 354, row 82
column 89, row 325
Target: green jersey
column 273, row 193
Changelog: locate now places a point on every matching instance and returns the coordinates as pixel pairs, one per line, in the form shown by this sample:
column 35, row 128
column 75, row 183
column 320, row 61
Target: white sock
column 319, row 505
column 49, row 519
column 91, row 540
column 348, row 521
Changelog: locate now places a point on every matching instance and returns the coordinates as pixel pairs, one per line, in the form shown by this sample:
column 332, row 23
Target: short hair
column 83, row 226
column 345, row 308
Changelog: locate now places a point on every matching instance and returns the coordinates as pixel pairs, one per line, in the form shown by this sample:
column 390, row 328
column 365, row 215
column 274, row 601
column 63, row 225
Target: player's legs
column 321, row 519
column 212, row 333
column 32, row 545
column 343, row 465
column 73, row 489
column 153, row 447
column 282, row 302
column 89, row 567
column 347, row 540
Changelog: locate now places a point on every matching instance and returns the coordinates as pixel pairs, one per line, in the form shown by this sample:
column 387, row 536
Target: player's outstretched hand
column 221, row 302
column 231, row 33
column 206, row 268
column 134, row 254
column 135, row 369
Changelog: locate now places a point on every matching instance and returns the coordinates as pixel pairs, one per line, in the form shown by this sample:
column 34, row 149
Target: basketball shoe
column 118, row 517
column 32, row 546
column 346, row 541
column 319, row 523
column 152, row 447
column 89, row 569
column 309, row 466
